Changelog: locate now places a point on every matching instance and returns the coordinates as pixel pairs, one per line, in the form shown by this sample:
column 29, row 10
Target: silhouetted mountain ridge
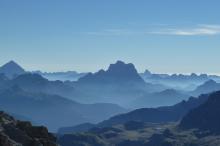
column 157, row 115
column 206, row 116
column 12, row 69
column 207, row 87
column 164, row 98
column 39, row 106
column 118, row 72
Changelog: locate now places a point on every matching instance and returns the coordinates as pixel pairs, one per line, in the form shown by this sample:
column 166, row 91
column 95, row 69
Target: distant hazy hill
column 52, row 110
column 207, row 87
column 157, row 115
column 11, row 69
column 206, row 116
column 164, row 98
column 149, row 115
column 36, row 83
column 178, row 81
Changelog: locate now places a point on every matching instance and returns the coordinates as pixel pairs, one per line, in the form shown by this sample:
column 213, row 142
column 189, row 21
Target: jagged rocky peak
column 119, row 71
column 20, row 133
column 122, row 68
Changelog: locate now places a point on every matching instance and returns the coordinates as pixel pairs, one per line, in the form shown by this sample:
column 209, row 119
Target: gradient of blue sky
column 85, row 35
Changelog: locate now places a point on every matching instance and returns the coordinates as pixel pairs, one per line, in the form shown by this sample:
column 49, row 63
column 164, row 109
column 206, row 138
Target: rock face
column 19, row 133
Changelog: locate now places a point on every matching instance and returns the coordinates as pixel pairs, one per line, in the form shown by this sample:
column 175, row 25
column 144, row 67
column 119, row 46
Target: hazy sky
column 86, row 35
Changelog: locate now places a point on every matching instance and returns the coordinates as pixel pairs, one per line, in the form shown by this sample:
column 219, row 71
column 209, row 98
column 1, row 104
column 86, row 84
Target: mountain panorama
column 109, row 73
column 114, row 107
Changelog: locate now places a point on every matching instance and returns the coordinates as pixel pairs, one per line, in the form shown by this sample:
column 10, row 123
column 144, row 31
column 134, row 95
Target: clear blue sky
column 169, row 36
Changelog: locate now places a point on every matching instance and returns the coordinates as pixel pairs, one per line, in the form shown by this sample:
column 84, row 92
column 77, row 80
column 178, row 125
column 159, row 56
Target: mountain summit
column 119, row 72
column 11, row 69
column 120, row 84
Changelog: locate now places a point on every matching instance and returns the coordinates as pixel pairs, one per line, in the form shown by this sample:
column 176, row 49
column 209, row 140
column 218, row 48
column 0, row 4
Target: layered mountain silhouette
column 39, row 108
column 11, row 69
column 164, row 98
column 178, row 81
column 119, row 73
column 207, row 87
column 36, row 83
column 206, row 116
column 120, row 83
column 62, row 76
column 157, row 115
column 149, row 115
column 33, row 82
column 199, row 127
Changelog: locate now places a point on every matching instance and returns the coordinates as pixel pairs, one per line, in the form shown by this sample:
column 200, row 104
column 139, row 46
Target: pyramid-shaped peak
column 11, row 69
column 11, row 64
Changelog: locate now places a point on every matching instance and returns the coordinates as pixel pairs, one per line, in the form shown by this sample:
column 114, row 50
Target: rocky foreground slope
column 19, row 133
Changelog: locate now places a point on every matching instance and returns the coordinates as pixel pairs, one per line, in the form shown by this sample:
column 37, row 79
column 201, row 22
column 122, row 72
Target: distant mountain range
column 57, row 103
column 199, row 127
column 158, row 115
column 62, row 76
column 178, row 81
column 39, row 106
column 164, row 114
column 120, row 84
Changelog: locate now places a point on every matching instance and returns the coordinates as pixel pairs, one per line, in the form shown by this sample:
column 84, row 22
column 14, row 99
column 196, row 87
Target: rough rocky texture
column 19, row 133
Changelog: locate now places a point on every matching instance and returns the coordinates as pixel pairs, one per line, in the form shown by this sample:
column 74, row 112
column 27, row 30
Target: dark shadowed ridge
column 164, row 98
column 39, row 106
column 149, row 115
column 206, row 116
column 157, row 115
